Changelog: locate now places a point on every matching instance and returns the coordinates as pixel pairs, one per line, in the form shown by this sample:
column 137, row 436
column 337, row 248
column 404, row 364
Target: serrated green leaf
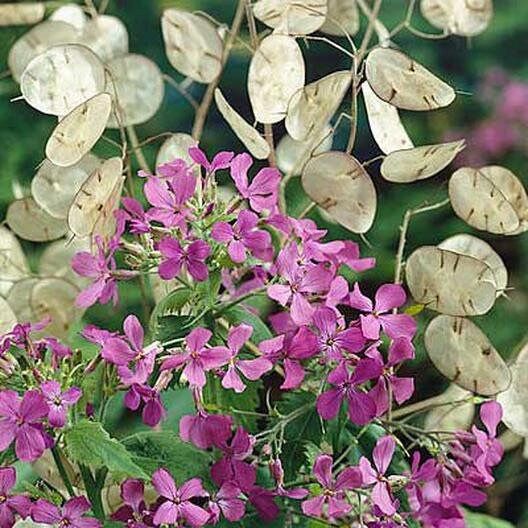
column 89, row 444
column 152, row 450
column 171, row 327
column 238, row 314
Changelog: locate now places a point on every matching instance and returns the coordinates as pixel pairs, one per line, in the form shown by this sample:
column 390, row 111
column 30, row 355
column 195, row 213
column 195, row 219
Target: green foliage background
column 23, row 133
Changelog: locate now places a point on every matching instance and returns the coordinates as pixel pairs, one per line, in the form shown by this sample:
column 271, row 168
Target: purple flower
column 71, row 514
column 134, row 512
column 291, row 349
column 332, row 501
column 177, row 505
column 232, row 466
column 58, row 401
column 333, row 340
column 222, row 160
column 349, row 256
column 192, row 258
column 361, row 407
column 302, row 281
column 21, row 422
column 388, row 296
column 227, row 502
column 252, row 369
column 382, row 456
column 10, row 505
column 242, row 237
column 205, row 430
column 196, row 357
column 135, row 216
column 153, row 410
column 278, row 474
column 262, row 192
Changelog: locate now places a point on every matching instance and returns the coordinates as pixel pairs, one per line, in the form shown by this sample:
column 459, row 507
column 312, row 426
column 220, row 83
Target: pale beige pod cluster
column 339, row 184
column 490, row 198
column 12, row 14
column 462, row 353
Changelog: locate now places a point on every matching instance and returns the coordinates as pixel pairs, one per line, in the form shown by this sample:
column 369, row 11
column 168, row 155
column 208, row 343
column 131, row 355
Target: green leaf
column 171, row 327
column 208, row 290
column 88, row 443
column 152, row 450
column 238, row 314
column 480, row 520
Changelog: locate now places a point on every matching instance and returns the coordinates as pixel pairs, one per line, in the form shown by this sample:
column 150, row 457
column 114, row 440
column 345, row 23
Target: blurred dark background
column 490, row 74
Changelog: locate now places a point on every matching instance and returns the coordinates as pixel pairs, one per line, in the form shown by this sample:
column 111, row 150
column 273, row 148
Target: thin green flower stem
column 182, row 91
column 224, row 307
column 306, row 210
column 134, row 141
column 62, row 470
column 426, row 405
column 203, row 109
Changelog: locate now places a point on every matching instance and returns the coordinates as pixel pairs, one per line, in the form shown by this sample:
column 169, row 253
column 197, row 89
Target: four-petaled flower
column 11, row 505
column 70, row 515
column 134, row 511
column 192, row 258
column 58, row 401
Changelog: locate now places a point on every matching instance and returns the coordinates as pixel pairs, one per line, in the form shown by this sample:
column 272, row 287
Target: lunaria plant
column 301, row 413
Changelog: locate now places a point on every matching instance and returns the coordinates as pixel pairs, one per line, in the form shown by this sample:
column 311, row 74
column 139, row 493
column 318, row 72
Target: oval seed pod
column 419, row 163
column 176, row 147
column 137, row 89
column 342, row 18
column 12, row 14
column 192, row 45
column 7, row 317
column 60, row 79
column 90, row 202
column 71, row 14
column 462, row 353
column 248, row 135
column 79, row 131
column 299, row 17
column 30, row 222
column 469, row 245
column 13, row 263
column 451, row 418
column 106, row 36
column 403, row 82
column 54, row 188
column 19, row 297
column 339, row 184
column 36, row 41
column 466, row 18
column 490, row 199
column 106, row 223
column 276, row 72
column 385, row 123
column 450, row 283
column 55, row 298
column 293, row 155
column 311, row 108
column 514, row 400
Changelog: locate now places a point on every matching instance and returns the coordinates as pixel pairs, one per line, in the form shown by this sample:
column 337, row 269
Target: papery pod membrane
column 514, row 400
column 248, row 135
column 137, row 89
column 339, row 184
column 451, row 418
column 174, row 147
column 419, row 163
column 450, row 283
column 385, row 123
column 72, row 14
column 466, row 18
column 342, row 18
column 36, row 41
column 296, row 17
column 79, row 131
column 462, row 353
column 46, row 468
column 106, row 223
column 19, row 297
column 30, row 222
column 55, row 260
column 293, row 155
column 61, row 78
column 53, row 187
column 90, row 203
column 55, row 298
column 106, row 36
column 13, row 263
column 311, row 108
column 470, row 245
column 12, row 14
column 7, row 317
column 404, row 83
column 491, row 199
column 192, row 45
column 276, row 72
